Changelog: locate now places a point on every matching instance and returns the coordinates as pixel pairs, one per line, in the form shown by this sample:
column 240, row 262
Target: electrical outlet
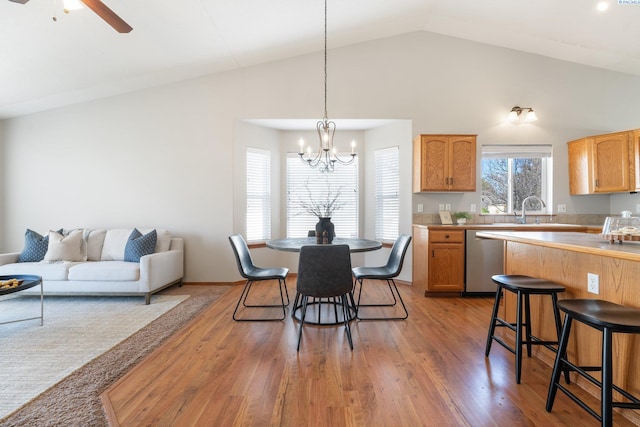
column 638, row 208
column 593, row 283
column 420, row 207
column 472, row 208
column 441, row 207
column 562, row 208
column 447, row 207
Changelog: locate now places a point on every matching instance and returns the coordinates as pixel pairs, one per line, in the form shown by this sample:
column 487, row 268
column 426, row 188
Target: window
column 305, row 185
column 511, row 173
column 258, row 194
column 387, row 167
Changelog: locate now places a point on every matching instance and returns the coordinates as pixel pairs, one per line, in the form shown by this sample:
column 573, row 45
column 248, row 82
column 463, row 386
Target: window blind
column 258, row 194
column 305, row 184
column 387, row 188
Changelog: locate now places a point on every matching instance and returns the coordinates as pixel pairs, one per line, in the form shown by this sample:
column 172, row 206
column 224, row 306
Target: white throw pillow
column 65, row 248
column 95, row 242
column 114, row 243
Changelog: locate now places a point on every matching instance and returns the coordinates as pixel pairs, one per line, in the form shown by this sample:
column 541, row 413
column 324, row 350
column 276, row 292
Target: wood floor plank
column 427, row 370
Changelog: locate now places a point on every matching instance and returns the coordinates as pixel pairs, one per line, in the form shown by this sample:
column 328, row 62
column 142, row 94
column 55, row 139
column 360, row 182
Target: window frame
column 258, row 189
column 387, row 189
column 515, row 151
column 302, row 180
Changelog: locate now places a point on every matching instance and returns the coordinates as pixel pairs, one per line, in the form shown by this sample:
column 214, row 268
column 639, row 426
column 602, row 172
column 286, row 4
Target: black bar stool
column 608, row 318
column 523, row 286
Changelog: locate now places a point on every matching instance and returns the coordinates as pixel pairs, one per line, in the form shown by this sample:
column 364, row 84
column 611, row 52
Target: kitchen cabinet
column 443, row 270
column 606, row 163
column 439, row 253
column 444, row 163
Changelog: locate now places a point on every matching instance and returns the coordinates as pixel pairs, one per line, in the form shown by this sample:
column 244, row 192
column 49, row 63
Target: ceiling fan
column 103, row 12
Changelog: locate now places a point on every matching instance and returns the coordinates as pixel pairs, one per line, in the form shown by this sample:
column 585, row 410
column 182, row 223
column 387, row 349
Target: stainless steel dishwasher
column 484, row 258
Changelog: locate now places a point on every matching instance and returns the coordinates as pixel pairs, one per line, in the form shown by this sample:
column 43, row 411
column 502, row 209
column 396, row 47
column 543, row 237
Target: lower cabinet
column 438, row 260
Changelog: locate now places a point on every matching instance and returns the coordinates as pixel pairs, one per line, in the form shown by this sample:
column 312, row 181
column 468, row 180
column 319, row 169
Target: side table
column 28, row 281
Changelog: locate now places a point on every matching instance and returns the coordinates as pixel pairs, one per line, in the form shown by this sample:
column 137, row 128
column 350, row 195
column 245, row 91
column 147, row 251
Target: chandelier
column 326, row 156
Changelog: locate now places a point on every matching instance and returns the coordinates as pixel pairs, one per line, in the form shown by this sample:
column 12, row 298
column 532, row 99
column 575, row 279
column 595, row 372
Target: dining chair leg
column 392, row 287
column 245, row 293
column 304, row 313
column 346, row 321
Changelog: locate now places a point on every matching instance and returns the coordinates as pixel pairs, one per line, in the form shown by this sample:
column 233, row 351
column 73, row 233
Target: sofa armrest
column 159, row 269
column 9, row 258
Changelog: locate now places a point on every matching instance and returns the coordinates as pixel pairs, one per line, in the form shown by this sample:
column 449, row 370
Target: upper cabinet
column 444, row 163
column 605, row 163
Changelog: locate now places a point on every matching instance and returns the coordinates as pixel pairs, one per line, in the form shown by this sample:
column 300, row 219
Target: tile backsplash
column 580, row 219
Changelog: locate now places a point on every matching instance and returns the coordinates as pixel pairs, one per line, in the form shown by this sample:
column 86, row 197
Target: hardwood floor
column 428, row 370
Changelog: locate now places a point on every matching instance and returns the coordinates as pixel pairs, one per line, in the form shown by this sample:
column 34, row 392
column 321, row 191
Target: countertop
column 573, row 241
column 508, row 226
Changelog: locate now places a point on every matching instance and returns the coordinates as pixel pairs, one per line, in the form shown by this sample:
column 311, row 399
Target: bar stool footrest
column 582, row 370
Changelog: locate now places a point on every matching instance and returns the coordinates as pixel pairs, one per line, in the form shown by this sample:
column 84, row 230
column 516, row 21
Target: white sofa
column 101, row 270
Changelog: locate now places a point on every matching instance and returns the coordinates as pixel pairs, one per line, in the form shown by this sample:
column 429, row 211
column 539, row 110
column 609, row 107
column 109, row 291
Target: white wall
column 164, row 157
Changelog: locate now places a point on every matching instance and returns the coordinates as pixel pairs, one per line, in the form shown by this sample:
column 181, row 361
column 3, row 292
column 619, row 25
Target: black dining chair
column 387, row 272
column 324, row 273
column 255, row 274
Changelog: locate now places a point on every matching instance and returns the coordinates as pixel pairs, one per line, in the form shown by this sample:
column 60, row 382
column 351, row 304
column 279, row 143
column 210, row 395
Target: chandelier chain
column 325, row 59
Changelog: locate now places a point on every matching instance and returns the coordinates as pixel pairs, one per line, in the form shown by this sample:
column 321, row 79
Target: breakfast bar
column 568, row 258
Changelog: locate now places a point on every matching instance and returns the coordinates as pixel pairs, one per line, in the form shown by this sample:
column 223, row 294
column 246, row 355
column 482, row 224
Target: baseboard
column 241, row 282
column 211, row 283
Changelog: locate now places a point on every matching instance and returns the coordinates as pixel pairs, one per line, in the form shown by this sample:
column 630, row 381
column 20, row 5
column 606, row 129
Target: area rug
column 74, row 400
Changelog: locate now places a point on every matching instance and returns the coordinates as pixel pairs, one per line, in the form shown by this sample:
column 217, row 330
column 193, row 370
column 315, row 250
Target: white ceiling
column 46, row 64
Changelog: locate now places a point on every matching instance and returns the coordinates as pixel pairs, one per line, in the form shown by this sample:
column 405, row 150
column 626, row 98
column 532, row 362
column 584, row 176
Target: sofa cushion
column 35, row 247
column 44, row 269
column 105, row 271
column 68, row 247
column 95, row 242
column 139, row 245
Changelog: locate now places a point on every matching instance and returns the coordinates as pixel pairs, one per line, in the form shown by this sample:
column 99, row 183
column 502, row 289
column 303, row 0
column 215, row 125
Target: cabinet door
column 635, row 160
column 434, row 163
column 611, row 162
column 446, row 267
column 580, row 172
column 462, row 163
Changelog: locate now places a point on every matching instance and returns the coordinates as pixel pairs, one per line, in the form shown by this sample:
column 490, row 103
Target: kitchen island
column 567, row 258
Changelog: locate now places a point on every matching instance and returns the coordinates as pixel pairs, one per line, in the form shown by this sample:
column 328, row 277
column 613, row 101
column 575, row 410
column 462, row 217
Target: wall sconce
column 514, row 115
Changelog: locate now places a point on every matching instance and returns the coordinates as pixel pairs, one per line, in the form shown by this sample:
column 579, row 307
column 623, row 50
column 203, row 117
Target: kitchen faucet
column 523, row 218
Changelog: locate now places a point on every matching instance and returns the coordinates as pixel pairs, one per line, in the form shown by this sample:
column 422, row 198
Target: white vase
column 461, row 221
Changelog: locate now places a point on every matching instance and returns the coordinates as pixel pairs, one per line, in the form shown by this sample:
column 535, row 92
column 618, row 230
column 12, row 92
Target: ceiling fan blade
column 108, row 15
column 19, row 1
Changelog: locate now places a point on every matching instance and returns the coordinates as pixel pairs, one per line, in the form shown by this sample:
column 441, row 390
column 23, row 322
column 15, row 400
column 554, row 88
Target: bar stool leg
column 556, row 316
column 519, row 337
column 492, row 326
column 607, row 380
column 557, row 366
column 527, row 319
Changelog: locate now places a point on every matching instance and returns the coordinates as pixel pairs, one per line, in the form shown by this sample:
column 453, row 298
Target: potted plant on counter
column 461, row 217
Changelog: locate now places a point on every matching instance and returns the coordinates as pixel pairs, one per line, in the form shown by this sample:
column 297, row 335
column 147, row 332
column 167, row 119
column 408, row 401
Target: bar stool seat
column 608, row 318
column 523, row 286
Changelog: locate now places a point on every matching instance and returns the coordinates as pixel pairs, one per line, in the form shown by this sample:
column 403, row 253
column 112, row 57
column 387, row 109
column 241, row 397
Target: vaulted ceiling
column 78, row 57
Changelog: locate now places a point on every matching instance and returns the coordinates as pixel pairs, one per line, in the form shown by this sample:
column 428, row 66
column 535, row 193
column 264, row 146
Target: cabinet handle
column 446, row 236
column 433, row 253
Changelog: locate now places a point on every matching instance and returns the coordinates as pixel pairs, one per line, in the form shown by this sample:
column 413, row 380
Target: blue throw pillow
column 35, row 246
column 139, row 245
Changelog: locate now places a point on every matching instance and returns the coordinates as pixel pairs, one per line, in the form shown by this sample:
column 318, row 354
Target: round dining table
column 323, row 309
column 293, row 244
